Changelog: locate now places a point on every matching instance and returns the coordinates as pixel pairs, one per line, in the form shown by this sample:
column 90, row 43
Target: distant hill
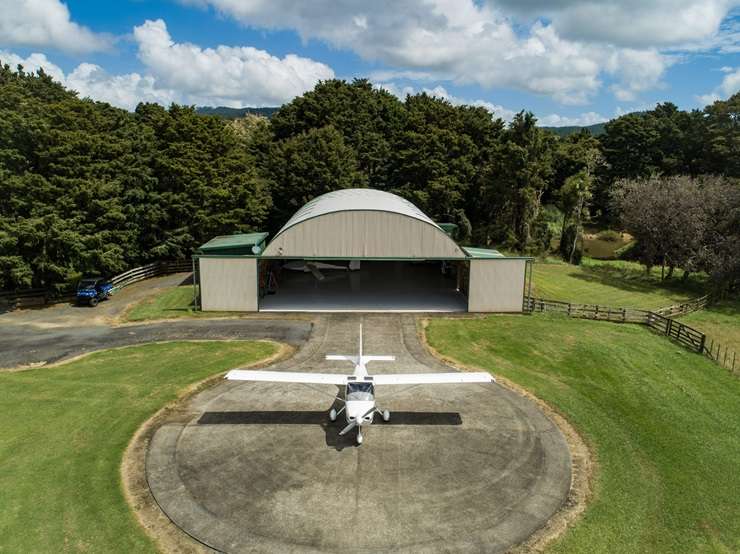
column 596, row 129
column 235, row 113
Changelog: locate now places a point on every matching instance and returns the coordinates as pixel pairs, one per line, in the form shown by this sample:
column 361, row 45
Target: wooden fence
column 30, row 298
column 657, row 321
column 686, row 308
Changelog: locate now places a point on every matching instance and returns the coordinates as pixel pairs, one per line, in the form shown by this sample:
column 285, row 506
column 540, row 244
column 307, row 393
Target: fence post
column 701, row 343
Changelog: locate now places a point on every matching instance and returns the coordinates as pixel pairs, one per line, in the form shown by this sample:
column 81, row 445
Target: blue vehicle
column 92, row 290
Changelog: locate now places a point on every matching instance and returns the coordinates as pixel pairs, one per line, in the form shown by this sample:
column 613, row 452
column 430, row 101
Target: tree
column 308, row 165
column 666, row 217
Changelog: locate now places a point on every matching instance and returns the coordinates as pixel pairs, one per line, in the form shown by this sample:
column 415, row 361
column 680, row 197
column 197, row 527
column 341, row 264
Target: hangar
column 357, row 250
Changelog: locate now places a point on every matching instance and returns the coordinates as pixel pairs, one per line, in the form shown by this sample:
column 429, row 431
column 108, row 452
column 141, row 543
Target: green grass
column 611, row 283
column 64, row 430
column 171, row 303
column 720, row 322
column 664, row 424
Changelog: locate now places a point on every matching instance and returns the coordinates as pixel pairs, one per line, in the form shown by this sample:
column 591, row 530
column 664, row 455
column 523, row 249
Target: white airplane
column 359, row 388
column 315, row 267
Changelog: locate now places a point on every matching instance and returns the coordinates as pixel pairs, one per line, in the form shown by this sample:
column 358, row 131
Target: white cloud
column 583, row 120
column 459, row 41
column 124, row 91
column 32, row 63
column 188, row 74
column 46, row 23
column 730, row 85
column 440, row 92
column 627, row 23
column 640, row 70
column 225, row 75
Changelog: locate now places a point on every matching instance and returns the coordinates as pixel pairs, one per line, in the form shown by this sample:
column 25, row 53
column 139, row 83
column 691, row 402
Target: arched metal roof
column 356, row 199
column 362, row 223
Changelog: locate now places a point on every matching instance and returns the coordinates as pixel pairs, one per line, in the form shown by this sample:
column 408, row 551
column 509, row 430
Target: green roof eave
column 233, row 243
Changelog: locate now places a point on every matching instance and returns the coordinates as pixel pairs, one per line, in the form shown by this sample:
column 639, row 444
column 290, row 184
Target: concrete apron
column 259, row 467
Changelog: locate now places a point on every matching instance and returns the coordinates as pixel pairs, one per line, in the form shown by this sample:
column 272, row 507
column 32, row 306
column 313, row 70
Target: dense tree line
column 88, row 188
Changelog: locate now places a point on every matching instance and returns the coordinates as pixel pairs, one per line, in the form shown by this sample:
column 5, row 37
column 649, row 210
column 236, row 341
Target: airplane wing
column 286, row 377
column 433, row 378
column 367, row 359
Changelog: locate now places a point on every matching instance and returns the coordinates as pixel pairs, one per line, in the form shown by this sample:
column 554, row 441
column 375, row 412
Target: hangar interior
column 357, row 250
column 388, row 286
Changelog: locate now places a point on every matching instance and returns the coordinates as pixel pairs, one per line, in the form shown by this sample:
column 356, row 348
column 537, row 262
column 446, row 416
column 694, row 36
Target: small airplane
column 315, row 267
column 359, row 388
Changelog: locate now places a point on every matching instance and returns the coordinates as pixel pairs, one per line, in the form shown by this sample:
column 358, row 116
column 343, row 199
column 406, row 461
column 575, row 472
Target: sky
column 570, row 62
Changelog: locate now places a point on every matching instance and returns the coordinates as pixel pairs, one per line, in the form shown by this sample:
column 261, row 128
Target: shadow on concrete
column 289, row 417
column 331, row 429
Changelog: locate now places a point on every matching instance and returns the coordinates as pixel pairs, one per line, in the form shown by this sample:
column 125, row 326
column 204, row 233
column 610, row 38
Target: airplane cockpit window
column 360, row 391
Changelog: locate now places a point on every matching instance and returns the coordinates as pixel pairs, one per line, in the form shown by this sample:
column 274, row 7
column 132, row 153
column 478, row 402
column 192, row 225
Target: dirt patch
column 583, row 461
column 165, row 534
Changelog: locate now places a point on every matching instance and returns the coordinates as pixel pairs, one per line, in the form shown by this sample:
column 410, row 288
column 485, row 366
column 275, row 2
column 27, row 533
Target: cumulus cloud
column 440, row 92
column 46, row 23
column 640, row 70
column 730, row 85
column 627, row 23
column 583, row 120
column 551, row 120
column 225, row 75
column 188, row 74
column 465, row 42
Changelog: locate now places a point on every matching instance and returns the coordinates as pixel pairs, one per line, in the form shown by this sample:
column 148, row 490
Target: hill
column 235, row 113
column 596, row 129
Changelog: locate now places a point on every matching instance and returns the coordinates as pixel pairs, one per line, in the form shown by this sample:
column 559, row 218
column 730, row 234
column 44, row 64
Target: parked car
column 92, row 290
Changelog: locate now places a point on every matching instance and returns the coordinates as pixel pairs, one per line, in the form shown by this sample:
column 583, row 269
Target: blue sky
column 570, row 61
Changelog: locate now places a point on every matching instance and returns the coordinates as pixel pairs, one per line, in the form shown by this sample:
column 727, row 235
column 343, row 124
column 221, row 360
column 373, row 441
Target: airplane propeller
column 355, row 422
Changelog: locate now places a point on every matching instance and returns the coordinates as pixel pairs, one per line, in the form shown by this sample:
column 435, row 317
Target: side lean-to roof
column 362, row 223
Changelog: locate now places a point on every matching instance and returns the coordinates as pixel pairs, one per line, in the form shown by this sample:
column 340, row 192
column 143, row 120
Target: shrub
column 609, row 235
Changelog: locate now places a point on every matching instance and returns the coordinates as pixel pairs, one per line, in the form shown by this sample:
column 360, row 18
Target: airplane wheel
column 386, row 415
column 333, row 414
column 359, row 438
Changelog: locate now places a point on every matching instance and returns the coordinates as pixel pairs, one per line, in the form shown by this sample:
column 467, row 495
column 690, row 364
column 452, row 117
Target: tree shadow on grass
column 635, row 280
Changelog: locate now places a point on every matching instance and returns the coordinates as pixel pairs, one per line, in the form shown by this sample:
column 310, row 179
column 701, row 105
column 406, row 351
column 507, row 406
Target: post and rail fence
column 31, row 298
column 661, row 321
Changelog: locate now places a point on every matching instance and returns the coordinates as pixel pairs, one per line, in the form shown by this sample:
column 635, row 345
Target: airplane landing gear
column 386, row 415
column 359, row 437
column 333, row 413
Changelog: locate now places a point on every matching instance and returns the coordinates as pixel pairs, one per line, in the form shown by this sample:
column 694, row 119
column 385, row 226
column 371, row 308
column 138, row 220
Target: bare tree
column 666, row 216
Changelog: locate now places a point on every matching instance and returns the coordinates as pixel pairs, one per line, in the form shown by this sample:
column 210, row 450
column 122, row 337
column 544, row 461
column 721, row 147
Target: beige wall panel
column 496, row 285
column 228, row 284
column 360, row 234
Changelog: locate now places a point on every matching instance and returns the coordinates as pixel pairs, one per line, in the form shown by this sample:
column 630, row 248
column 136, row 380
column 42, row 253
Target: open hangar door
column 304, row 285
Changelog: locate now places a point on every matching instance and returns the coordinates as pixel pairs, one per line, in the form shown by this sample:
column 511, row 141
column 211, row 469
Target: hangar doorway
column 362, row 286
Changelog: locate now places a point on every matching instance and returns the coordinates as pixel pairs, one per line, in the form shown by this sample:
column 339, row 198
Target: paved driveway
column 257, row 467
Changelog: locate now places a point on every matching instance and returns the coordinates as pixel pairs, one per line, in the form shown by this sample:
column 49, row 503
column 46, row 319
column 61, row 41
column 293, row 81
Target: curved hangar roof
column 362, row 223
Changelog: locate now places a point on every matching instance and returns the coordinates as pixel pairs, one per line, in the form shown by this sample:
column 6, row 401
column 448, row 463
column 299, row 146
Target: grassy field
column 171, row 303
column 64, row 430
column 611, row 283
column 721, row 322
column 664, row 424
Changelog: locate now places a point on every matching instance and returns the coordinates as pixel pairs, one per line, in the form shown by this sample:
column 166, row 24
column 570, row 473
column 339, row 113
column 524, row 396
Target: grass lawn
column 611, row 283
column 664, row 425
column 64, row 430
column 174, row 302
column 720, row 322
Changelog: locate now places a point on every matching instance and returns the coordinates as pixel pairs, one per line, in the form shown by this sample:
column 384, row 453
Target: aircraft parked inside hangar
column 359, row 388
